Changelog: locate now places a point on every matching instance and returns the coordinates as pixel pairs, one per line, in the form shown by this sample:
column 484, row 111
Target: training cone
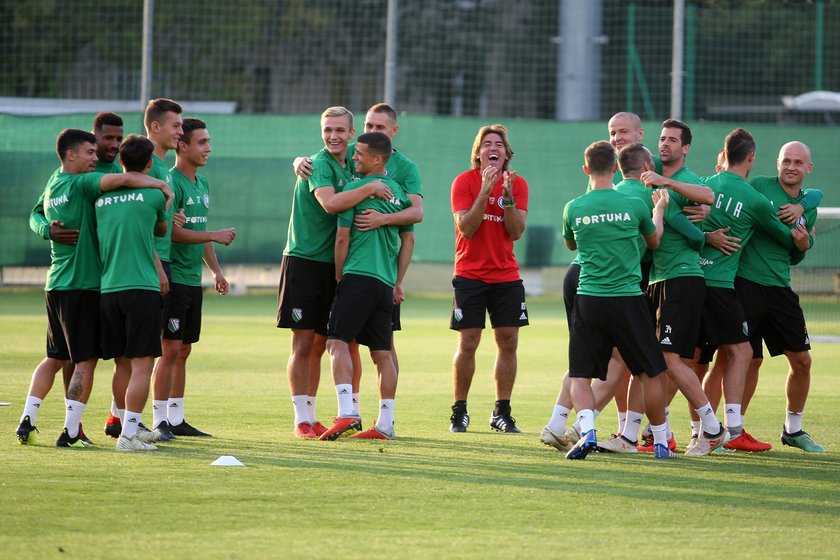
column 227, row 461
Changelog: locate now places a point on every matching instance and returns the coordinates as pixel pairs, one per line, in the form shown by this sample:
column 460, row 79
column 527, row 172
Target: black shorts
column 362, row 310
column 396, row 325
column 73, row 325
column 678, row 309
column 601, row 323
column 775, row 316
column 724, row 321
column 306, row 293
column 570, row 286
column 645, row 267
column 131, row 323
column 505, row 301
column 183, row 318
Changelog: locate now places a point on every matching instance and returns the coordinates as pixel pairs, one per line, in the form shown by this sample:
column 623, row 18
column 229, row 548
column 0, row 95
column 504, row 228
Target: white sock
column 129, row 427
column 586, row 419
column 793, row 421
column 301, row 414
column 120, row 414
column 357, row 404
column 559, row 418
column 668, row 433
column 707, row 418
column 696, row 425
column 32, row 407
column 632, row 425
column 344, row 392
column 733, row 417
column 622, row 420
column 310, row 409
column 175, row 411
column 660, row 434
column 114, row 409
column 158, row 412
column 385, row 421
column 73, row 416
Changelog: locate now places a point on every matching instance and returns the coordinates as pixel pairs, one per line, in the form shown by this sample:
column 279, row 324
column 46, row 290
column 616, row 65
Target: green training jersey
column 103, row 166
column 186, row 258
column 69, row 198
column 633, row 187
column 374, row 253
column 125, row 221
column 743, row 209
column 311, row 229
column 764, row 261
column 163, row 245
column 605, row 224
column 677, row 255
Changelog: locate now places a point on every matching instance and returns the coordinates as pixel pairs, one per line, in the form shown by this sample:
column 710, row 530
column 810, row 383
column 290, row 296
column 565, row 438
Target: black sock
column 459, row 406
column 502, row 407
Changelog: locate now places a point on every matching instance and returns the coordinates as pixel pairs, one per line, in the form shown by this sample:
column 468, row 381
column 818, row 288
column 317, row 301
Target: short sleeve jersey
column 743, row 209
column 374, row 253
column 103, row 166
column 125, row 226
column 488, row 256
column 311, row 229
column 163, row 245
column 69, row 198
column 632, row 187
column 605, row 224
column 194, row 197
column 675, row 256
column 764, row 261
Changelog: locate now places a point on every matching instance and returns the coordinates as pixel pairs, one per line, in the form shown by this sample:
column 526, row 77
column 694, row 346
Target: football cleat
column 745, row 442
column 305, row 430
column 64, row 440
column 342, row 425
column 802, row 440
column 184, row 429
column 374, row 433
column 113, row 426
column 146, row 435
column 133, row 444
column 646, row 444
column 84, row 438
column 584, row 446
column 318, row 428
column 707, row 443
column 560, row 442
column 618, row 444
column 459, row 421
column 26, row 432
column 165, row 432
column 504, row 423
column 661, row 451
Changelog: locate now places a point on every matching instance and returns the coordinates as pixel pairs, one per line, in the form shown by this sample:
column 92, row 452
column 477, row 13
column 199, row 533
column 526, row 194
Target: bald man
column 771, row 306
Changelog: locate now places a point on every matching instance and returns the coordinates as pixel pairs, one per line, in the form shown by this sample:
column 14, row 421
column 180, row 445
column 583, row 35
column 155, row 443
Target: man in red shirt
column 489, row 204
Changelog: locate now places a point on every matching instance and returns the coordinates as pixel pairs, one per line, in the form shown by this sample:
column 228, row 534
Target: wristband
column 508, row 203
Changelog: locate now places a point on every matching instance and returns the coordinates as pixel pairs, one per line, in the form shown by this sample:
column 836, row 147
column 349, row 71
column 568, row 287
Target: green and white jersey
column 163, row 245
column 632, row 187
column 103, row 166
column 69, row 198
column 743, row 209
column 374, row 253
column 186, row 259
column 764, row 261
column 605, row 224
column 676, row 257
column 126, row 220
column 311, row 229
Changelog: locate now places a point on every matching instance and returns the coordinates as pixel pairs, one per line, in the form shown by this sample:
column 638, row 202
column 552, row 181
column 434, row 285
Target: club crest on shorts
column 174, row 325
column 297, row 314
column 458, row 314
column 746, row 329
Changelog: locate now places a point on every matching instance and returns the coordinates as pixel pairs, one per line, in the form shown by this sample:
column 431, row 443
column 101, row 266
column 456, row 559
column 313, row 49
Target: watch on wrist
column 508, row 202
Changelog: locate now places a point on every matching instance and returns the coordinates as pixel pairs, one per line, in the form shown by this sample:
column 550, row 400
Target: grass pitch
column 429, row 494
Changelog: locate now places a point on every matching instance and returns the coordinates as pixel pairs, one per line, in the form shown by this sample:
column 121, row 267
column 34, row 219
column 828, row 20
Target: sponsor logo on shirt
column 492, row 218
column 197, row 220
column 116, row 199
column 603, row 218
column 57, row 201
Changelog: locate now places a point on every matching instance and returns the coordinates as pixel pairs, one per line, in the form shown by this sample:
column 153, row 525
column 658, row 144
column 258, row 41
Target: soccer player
column 308, row 275
column 72, row 286
column 366, row 270
column 771, row 307
column 191, row 243
column 739, row 207
column 127, row 220
column 489, row 206
column 381, row 117
column 163, row 124
column 609, row 310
